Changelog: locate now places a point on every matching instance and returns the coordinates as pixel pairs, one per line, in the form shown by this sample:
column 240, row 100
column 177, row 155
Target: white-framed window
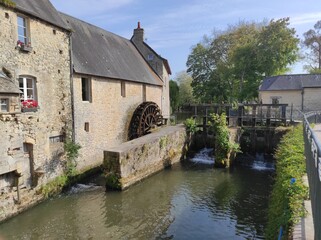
column 23, row 31
column 4, row 105
column 86, row 89
column 27, row 86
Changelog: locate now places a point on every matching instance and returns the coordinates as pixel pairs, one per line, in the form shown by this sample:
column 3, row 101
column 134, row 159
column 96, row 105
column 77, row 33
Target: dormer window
column 4, row 105
column 150, row 57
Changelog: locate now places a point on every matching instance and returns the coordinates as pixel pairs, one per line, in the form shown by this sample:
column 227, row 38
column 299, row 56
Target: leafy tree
column 312, row 40
column 185, row 89
column 230, row 65
column 173, row 94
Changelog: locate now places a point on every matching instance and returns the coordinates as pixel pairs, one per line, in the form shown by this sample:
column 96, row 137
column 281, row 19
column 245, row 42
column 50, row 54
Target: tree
column 173, row 94
column 185, row 89
column 312, row 40
column 230, row 65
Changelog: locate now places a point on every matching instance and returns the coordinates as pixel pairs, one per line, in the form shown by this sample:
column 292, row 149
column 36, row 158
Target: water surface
column 189, row 201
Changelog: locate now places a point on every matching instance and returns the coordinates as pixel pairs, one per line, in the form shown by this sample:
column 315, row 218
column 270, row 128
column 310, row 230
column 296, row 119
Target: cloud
column 306, row 18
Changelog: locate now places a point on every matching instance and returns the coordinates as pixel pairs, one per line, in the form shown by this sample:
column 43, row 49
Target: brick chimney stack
column 138, row 34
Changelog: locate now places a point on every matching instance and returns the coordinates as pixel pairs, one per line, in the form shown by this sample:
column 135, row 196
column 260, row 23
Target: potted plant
column 24, row 47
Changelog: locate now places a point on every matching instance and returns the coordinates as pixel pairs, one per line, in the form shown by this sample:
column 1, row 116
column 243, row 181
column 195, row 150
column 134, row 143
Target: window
column 86, row 89
column 123, row 89
column 23, row 30
column 150, row 57
column 27, row 86
column 275, row 100
column 86, row 128
column 4, row 105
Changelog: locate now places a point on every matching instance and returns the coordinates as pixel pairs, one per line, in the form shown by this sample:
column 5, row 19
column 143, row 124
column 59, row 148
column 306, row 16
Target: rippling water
column 189, row 201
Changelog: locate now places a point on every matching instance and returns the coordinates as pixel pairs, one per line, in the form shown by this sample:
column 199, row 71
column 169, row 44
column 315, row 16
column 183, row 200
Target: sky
column 173, row 27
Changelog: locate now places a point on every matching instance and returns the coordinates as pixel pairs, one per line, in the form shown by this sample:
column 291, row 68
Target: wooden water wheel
column 146, row 116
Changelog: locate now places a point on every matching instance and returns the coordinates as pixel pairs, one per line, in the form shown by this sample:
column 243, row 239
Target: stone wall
column 32, row 141
column 108, row 115
column 137, row 159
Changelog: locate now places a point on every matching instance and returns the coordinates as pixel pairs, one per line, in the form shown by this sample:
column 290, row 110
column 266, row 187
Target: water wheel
column 146, row 116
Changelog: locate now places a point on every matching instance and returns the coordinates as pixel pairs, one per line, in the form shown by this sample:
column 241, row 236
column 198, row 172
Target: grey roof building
column 98, row 52
column 291, row 82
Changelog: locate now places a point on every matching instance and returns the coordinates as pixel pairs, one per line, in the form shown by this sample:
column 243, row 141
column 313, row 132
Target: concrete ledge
column 304, row 229
column 135, row 160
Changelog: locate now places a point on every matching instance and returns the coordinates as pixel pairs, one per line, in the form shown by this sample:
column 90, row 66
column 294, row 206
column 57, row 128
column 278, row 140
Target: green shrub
column 190, row 124
column 289, row 191
column 223, row 146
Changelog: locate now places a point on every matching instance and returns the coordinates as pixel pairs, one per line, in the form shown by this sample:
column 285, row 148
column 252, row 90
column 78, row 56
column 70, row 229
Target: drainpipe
column 302, row 100
column 73, row 137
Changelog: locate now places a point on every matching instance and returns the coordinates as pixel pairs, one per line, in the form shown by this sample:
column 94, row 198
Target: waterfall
column 204, row 157
column 261, row 164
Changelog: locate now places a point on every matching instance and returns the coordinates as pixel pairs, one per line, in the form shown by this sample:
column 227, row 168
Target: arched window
column 27, row 85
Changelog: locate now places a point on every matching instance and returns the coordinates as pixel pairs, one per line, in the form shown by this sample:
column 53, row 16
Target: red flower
column 29, row 104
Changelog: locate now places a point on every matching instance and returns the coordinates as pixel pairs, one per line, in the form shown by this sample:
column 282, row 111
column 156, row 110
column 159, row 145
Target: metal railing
column 312, row 141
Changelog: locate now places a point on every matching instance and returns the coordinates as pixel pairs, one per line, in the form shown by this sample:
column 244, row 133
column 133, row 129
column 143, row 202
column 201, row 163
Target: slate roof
column 6, row 85
column 41, row 9
column 291, row 82
column 98, row 52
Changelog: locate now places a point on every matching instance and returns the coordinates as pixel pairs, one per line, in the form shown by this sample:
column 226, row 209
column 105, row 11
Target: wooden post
column 240, row 116
column 254, row 116
column 268, row 116
column 284, row 114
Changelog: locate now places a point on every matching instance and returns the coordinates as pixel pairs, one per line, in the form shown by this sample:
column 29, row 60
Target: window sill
column 25, row 49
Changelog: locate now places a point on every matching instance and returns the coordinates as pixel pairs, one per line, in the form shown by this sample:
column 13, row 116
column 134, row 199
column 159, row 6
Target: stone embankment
column 135, row 160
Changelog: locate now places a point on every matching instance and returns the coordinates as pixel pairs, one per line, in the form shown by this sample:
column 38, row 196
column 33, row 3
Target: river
column 190, row 200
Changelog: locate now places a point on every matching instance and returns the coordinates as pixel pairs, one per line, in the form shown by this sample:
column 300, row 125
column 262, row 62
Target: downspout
column 73, row 137
column 302, row 100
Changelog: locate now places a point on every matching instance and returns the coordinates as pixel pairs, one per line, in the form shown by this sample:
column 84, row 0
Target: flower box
column 29, row 106
column 24, row 47
column 29, row 109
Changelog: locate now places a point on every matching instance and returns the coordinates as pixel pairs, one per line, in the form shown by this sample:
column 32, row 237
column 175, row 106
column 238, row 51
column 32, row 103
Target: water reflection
column 184, row 202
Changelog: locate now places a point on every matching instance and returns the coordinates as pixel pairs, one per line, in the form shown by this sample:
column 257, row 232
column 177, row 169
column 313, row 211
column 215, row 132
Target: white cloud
column 306, row 18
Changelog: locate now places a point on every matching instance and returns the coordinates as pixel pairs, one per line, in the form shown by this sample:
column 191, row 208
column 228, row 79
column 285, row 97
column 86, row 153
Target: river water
column 188, row 201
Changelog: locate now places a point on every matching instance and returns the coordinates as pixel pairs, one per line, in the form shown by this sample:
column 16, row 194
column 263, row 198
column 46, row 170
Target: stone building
column 111, row 79
column 300, row 91
column 63, row 78
column 35, row 98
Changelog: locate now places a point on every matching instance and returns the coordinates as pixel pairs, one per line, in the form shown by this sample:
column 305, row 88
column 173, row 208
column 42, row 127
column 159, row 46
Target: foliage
column 54, row 187
column 112, row 181
column 230, row 65
column 289, row 192
column 72, row 152
column 312, row 40
column 223, row 145
column 185, row 88
column 8, row 3
column 190, row 124
column 173, row 94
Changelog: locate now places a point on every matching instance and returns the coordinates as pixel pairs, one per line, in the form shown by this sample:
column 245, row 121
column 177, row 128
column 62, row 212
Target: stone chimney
column 138, row 34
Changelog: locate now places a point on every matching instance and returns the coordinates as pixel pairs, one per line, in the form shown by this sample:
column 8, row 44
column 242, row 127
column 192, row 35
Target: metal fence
column 312, row 141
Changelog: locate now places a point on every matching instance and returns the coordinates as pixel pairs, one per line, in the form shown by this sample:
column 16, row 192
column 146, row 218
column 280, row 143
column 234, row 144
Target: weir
column 130, row 162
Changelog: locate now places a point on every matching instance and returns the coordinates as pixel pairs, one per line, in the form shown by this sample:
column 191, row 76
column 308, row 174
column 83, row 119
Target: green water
column 188, row 201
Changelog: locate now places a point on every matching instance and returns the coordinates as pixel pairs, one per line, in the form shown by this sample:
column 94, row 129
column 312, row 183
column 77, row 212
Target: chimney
column 138, row 34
